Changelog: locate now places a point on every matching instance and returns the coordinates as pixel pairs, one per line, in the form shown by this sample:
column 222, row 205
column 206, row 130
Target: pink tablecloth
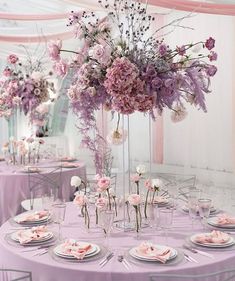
column 14, row 186
column 45, row 268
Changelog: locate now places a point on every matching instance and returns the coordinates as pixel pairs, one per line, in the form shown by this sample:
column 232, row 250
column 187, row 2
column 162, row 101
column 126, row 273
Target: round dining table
column 14, row 185
column 45, row 267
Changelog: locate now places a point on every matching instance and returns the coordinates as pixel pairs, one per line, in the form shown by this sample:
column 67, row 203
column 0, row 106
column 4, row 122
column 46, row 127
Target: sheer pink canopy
column 196, row 6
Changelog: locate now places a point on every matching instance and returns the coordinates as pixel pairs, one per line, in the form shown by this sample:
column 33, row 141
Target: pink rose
column 135, row 178
column 134, row 199
column 103, row 184
column 54, row 49
column 80, row 200
column 7, row 72
column 148, row 185
column 12, row 59
column 60, row 68
column 101, row 203
column 101, row 54
column 104, row 25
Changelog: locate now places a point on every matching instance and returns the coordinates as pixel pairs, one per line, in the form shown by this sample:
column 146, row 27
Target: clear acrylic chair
column 223, row 275
column 15, row 275
column 44, row 182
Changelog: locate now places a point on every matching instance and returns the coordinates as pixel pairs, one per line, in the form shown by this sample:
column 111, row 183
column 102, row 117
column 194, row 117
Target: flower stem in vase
column 82, row 211
column 137, row 188
column 115, row 205
column 137, row 219
column 109, row 199
column 153, row 196
column 128, row 213
column 145, row 205
column 96, row 216
column 87, row 218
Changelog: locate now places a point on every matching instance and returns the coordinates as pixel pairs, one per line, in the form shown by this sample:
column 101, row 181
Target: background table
column 45, row 268
column 14, row 186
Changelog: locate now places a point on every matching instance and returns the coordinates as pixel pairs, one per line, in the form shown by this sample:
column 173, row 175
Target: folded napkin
column 225, row 219
column 69, row 164
column 160, row 199
column 67, row 159
column 75, row 248
column 33, row 216
column 149, row 250
column 215, row 236
column 33, row 234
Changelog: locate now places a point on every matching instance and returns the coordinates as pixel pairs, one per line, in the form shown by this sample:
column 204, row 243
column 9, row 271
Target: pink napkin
column 225, row 219
column 33, row 216
column 69, row 164
column 67, row 158
column 74, row 248
column 33, row 234
column 148, row 250
column 215, row 236
column 160, row 199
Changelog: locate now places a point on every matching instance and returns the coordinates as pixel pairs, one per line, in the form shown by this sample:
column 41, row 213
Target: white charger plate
column 133, row 252
column 48, row 235
column 95, row 249
column 229, row 243
column 213, row 221
column 21, row 216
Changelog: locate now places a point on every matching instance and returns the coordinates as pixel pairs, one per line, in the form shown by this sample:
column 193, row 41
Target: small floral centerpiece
column 135, row 201
column 24, row 86
column 140, row 171
column 135, row 70
column 81, row 200
column 153, row 186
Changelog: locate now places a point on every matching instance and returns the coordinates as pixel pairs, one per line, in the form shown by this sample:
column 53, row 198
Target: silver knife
column 204, row 254
column 196, row 251
column 107, row 259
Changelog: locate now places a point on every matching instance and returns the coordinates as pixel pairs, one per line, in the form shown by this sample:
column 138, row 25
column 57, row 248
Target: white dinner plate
column 134, row 253
column 48, row 235
column 213, row 221
column 95, row 249
column 229, row 243
column 36, row 221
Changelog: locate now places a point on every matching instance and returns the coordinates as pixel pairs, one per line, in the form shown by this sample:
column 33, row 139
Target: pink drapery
column 25, row 17
column 35, row 38
column 196, row 6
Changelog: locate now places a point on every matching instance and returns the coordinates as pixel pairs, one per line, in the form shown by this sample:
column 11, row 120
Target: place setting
column 212, row 240
column 31, row 218
column 154, row 254
column 71, row 164
column 77, row 251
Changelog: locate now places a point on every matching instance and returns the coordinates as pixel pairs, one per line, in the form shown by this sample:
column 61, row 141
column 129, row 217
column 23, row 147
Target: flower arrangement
column 25, row 150
column 81, row 200
column 152, row 185
column 23, row 86
column 140, row 170
column 133, row 71
column 135, row 201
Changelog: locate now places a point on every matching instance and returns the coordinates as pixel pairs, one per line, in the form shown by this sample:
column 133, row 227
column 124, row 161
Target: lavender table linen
column 14, row 186
column 45, row 268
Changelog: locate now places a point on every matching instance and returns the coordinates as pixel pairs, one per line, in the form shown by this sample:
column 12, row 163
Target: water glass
column 204, row 206
column 165, row 221
column 59, row 216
